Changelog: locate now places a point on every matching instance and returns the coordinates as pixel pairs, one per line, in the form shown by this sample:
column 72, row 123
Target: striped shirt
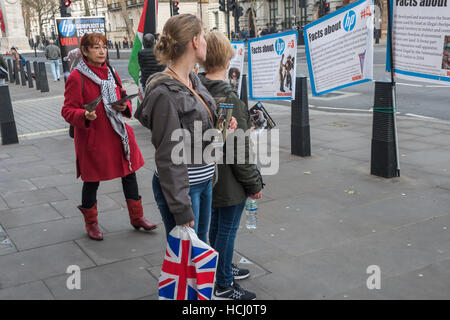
column 198, row 175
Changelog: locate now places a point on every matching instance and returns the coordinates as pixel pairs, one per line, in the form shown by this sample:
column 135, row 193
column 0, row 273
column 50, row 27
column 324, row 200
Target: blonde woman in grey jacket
column 176, row 99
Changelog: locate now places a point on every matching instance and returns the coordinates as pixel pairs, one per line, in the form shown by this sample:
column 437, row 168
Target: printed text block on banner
column 272, row 66
column 339, row 48
column 421, row 40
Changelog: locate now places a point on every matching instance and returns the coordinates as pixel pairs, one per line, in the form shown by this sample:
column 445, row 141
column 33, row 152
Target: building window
column 288, row 14
column 273, row 12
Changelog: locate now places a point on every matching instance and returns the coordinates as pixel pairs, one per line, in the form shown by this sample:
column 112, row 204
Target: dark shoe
column 58, row 79
column 136, row 213
column 91, row 223
column 239, row 273
column 232, row 292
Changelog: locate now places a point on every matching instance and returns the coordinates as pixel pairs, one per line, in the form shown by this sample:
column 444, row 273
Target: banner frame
column 270, row 36
column 308, row 57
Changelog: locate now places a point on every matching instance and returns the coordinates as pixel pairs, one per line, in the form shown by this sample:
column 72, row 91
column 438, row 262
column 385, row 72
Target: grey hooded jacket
column 169, row 105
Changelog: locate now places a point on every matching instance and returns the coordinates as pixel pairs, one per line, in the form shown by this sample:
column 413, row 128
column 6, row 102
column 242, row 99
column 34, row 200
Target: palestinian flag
column 147, row 24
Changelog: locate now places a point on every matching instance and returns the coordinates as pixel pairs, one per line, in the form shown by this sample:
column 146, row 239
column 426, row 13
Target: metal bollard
column 43, row 77
column 16, row 73
column 29, row 75
column 11, row 71
column 300, row 133
column 36, row 75
column 384, row 162
column 118, row 53
column 23, row 77
column 7, row 124
column 244, row 91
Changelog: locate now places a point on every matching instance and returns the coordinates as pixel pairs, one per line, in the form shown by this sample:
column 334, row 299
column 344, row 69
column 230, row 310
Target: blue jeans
column 54, row 66
column 201, row 200
column 222, row 233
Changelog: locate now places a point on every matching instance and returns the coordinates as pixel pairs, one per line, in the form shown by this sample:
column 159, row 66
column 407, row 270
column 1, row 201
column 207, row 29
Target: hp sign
column 279, row 46
column 67, row 28
column 349, row 21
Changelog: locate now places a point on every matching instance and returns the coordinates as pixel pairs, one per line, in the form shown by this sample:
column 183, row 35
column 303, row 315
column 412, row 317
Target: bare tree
column 125, row 16
column 87, row 12
column 44, row 9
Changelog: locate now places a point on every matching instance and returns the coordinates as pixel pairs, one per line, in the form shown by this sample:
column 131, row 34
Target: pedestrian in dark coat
column 147, row 60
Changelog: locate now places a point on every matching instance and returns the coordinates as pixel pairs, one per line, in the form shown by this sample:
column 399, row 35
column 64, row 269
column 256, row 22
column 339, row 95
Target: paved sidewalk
column 323, row 220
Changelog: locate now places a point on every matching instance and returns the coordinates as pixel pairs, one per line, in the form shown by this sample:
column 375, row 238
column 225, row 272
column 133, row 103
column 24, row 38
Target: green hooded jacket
column 236, row 181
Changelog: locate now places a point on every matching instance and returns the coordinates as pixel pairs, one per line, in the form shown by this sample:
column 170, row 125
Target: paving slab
column 35, row 197
column 29, row 291
column 122, row 280
column 119, row 220
column 69, row 208
column 14, row 218
column 122, row 245
column 40, row 263
column 47, row 233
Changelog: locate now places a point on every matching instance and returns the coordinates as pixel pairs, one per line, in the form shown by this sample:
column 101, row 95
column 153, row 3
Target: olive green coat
column 235, row 181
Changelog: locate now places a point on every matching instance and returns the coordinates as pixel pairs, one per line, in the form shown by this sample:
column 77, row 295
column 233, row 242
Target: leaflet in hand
column 124, row 99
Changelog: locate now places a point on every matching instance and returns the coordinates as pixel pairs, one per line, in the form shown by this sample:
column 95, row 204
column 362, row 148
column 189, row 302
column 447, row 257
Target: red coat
column 98, row 148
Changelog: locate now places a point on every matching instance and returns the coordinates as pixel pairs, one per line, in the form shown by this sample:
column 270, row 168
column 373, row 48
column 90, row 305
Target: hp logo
column 349, row 21
column 67, row 28
column 279, row 46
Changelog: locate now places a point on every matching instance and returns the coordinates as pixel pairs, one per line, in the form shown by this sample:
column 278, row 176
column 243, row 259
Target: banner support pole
column 394, row 91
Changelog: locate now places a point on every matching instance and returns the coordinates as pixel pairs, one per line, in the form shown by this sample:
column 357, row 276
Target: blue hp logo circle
column 279, row 46
column 349, row 21
column 67, row 28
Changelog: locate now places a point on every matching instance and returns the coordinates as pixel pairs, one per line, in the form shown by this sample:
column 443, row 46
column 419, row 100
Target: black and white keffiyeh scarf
column 108, row 91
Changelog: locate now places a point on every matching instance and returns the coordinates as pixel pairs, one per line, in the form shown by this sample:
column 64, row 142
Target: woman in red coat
column 105, row 145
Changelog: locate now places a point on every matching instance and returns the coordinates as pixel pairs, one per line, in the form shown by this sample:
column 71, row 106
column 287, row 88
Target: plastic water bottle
column 251, row 213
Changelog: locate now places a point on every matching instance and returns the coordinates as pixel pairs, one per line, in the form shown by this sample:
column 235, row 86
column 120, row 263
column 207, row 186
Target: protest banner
column 70, row 32
column 234, row 72
column 272, row 66
column 421, row 40
column 339, row 48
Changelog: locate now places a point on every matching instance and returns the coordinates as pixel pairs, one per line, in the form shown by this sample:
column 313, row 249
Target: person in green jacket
column 235, row 182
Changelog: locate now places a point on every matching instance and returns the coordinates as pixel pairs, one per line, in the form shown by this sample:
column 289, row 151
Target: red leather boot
column 137, row 215
column 90, row 219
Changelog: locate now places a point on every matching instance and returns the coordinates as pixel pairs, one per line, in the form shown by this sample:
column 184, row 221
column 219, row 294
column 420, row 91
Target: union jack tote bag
column 189, row 268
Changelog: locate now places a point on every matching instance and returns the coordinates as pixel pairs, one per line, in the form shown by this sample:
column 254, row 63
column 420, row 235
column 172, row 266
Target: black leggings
column 89, row 193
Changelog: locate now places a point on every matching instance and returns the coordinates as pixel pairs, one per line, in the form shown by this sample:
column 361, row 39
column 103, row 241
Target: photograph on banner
column 235, row 71
column 70, row 32
column 272, row 66
column 339, row 48
column 421, row 40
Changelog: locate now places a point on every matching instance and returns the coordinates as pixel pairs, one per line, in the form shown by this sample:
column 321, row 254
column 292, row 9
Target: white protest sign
column 234, row 72
column 339, row 48
column 272, row 66
column 421, row 40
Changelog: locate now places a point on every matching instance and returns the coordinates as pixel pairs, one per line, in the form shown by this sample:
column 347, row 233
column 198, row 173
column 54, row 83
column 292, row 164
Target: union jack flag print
column 188, row 270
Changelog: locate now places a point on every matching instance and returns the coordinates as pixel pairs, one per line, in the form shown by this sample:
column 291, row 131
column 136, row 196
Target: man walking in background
column 147, row 60
column 53, row 54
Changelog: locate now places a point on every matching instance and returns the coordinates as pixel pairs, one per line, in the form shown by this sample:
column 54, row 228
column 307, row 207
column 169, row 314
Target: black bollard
column 11, row 71
column 7, row 124
column 35, row 53
column 36, row 75
column 29, row 75
column 16, row 73
column 118, row 53
column 43, row 77
column 300, row 133
column 244, row 91
column 23, row 77
column 384, row 147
